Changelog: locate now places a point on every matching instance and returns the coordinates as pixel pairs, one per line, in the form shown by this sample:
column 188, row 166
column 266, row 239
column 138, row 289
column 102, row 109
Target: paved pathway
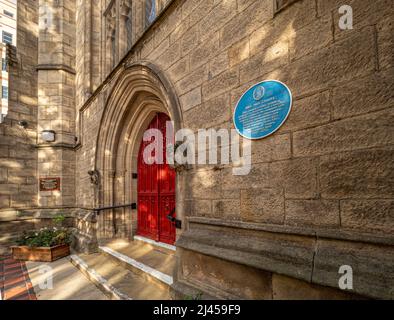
column 15, row 283
column 68, row 283
column 29, row 281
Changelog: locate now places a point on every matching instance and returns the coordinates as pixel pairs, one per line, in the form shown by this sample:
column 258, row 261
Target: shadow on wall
column 294, row 180
column 272, row 51
column 18, row 155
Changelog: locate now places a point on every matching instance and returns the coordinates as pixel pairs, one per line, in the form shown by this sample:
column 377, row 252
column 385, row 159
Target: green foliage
column 59, row 219
column 45, row 238
column 197, row 296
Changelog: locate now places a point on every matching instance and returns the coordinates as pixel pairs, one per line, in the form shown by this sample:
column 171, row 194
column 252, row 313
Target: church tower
column 56, row 103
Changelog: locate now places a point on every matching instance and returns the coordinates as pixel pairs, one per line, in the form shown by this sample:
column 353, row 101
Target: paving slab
column 154, row 257
column 68, row 282
column 124, row 280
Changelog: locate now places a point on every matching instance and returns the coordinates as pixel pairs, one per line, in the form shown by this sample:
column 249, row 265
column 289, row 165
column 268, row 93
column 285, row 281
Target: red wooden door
column 156, row 191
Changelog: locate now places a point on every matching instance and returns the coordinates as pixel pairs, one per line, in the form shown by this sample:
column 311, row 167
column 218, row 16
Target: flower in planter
column 47, row 237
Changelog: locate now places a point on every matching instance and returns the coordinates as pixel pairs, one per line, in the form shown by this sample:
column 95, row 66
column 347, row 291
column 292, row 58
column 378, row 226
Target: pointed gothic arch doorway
column 140, row 94
column 156, row 189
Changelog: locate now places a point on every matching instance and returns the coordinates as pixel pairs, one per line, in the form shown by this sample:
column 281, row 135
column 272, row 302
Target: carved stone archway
column 140, row 92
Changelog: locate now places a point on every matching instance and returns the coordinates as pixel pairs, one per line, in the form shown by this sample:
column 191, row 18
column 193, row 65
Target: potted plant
column 45, row 245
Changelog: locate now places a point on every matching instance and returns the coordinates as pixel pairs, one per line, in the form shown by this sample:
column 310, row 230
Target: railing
column 130, row 205
column 177, row 223
column 103, row 222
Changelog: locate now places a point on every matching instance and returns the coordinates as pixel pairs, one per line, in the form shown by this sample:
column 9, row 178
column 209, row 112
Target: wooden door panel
column 156, row 192
column 167, row 230
column 147, row 216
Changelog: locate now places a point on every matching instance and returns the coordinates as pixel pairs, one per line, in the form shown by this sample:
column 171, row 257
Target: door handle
column 175, row 221
column 170, row 216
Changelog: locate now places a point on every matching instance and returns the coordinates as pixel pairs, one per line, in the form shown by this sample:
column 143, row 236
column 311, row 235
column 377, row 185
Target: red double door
column 156, row 191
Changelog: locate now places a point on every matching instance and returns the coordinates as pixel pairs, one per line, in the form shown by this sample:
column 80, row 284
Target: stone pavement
column 120, row 270
column 21, row 280
column 68, row 282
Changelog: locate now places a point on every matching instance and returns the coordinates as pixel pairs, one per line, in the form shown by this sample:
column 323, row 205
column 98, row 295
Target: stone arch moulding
column 141, row 91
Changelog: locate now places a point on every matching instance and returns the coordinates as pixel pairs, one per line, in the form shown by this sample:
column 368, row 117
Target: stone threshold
column 134, row 264
column 97, row 279
column 155, row 243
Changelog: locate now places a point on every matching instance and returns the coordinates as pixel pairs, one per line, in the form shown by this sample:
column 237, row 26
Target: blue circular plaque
column 263, row 109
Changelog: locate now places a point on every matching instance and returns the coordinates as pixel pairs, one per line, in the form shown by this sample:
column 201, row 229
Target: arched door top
column 140, row 93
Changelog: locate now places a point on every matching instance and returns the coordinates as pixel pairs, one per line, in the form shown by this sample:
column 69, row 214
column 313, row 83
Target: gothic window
column 111, row 45
column 150, row 12
column 127, row 16
column 129, row 29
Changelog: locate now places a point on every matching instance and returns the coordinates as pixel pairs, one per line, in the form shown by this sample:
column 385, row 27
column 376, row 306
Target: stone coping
column 338, row 234
column 309, row 258
column 9, row 215
column 20, row 214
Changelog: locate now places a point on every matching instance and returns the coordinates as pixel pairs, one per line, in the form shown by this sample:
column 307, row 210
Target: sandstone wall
column 42, row 94
column 320, row 193
column 315, row 168
column 56, row 99
column 327, row 173
column 18, row 155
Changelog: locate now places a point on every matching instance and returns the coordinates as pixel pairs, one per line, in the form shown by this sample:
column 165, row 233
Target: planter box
column 42, row 254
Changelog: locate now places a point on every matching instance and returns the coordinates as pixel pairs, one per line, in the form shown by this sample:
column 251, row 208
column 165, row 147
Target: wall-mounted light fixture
column 48, row 135
column 23, row 124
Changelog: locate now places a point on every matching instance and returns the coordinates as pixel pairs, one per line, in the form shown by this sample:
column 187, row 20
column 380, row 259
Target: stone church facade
column 320, row 192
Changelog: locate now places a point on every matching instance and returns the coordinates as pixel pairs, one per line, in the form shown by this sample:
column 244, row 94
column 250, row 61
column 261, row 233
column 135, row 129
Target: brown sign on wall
column 49, row 184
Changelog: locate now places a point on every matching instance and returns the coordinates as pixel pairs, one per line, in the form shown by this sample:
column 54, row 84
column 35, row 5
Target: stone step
column 116, row 282
column 160, row 246
column 145, row 259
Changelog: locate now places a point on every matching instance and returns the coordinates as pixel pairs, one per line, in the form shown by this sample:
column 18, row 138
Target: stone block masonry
column 56, row 100
column 322, row 185
column 18, row 155
column 328, row 168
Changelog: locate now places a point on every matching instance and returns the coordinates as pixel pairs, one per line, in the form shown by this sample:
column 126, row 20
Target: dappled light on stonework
column 89, row 79
column 203, row 178
column 276, row 51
